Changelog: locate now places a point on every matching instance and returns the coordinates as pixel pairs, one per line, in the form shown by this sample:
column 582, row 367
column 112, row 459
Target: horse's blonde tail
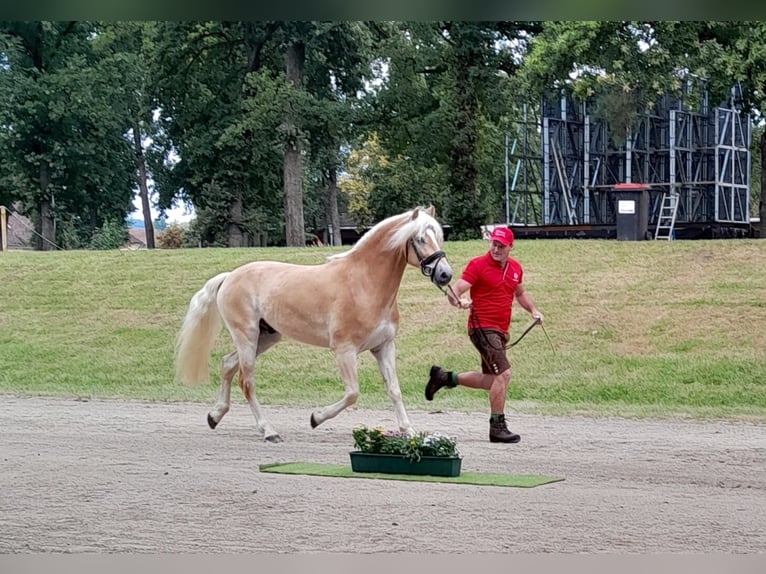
column 198, row 331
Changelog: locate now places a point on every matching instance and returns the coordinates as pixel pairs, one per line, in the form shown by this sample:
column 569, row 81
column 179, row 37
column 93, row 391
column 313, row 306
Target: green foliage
column 450, row 89
column 213, row 112
column 70, row 235
column 231, row 112
column 111, row 235
column 201, row 88
column 620, row 66
column 377, row 186
column 66, row 156
column 378, row 441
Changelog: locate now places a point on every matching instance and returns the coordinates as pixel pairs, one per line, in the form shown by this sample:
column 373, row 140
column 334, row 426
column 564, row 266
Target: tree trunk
column 235, row 237
column 465, row 211
column 333, row 217
column 142, row 186
column 292, row 163
column 46, row 226
column 762, row 203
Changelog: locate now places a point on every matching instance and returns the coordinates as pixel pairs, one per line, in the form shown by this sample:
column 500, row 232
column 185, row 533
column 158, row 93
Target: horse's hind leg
column 386, row 357
column 265, row 340
column 229, row 366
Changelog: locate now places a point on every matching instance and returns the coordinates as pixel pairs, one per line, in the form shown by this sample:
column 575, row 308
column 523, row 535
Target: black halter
column 427, row 264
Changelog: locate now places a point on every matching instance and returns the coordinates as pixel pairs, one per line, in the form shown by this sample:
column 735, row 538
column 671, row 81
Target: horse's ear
column 415, row 213
column 431, row 211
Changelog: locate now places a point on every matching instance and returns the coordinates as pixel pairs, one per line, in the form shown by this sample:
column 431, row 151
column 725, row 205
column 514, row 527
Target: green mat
column 475, row 478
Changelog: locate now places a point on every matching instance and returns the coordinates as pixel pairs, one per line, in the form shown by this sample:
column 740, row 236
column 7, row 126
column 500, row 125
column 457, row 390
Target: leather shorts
column 491, row 346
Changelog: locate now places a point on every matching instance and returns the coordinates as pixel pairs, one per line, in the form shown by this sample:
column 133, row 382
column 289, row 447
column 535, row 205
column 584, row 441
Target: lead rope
column 473, row 321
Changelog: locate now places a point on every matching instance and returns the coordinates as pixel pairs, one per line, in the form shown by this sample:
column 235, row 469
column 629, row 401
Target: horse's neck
column 383, row 267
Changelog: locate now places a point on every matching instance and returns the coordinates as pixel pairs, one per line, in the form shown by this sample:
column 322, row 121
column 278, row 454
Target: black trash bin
column 632, row 208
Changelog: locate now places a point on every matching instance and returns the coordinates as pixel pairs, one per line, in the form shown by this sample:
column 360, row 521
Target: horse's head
column 424, row 247
column 415, row 233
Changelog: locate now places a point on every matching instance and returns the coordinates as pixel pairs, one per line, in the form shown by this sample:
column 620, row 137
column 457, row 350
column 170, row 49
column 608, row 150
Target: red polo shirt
column 492, row 288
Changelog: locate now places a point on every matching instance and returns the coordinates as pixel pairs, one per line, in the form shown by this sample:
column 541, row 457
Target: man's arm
column 525, row 300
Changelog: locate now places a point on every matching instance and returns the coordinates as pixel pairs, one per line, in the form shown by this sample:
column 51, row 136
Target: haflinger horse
column 346, row 304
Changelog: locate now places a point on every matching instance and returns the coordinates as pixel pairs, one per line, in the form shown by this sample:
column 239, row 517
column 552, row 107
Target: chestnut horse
column 347, row 304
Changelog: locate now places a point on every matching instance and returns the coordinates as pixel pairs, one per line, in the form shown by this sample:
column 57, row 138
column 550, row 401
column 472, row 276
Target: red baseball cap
column 502, row 235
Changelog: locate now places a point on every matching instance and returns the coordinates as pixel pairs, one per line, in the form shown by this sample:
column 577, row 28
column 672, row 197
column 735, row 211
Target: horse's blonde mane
column 404, row 227
column 416, row 228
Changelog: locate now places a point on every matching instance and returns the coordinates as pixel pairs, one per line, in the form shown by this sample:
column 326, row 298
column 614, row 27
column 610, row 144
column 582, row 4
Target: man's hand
column 456, row 301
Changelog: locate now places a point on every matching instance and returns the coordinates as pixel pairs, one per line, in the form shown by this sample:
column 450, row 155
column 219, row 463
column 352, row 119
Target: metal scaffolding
column 565, row 163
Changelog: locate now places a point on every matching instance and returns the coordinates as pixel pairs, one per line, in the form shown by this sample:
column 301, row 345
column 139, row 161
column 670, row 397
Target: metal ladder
column 667, row 220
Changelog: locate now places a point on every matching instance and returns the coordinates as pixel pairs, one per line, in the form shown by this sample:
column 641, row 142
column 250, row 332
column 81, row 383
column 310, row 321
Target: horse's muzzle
column 442, row 273
column 436, row 267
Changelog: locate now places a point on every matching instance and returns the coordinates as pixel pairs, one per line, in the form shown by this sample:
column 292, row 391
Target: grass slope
column 640, row 329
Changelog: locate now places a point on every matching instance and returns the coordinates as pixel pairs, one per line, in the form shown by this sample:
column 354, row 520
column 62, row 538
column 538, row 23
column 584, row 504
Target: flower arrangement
column 378, row 441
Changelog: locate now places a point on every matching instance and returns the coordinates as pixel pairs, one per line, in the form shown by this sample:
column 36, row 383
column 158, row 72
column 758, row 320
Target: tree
column 125, row 48
column 220, row 110
column 440, row 102
column 63, row 148
column 325, row 67
column 295, row 59
column 339, row 67
column 280, row 91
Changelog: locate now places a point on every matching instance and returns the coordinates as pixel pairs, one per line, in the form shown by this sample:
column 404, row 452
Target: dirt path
column 133, row 477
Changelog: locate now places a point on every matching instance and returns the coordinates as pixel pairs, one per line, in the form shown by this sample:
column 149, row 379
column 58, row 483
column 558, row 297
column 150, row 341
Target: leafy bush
column 171, row 237
column 69, row 235
column 378, row 441
column 110, row 235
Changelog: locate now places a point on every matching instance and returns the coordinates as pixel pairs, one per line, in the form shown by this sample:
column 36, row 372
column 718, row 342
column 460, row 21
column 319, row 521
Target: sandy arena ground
column 134, row 477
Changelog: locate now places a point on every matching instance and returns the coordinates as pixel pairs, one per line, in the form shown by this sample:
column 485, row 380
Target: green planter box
column 397, row 464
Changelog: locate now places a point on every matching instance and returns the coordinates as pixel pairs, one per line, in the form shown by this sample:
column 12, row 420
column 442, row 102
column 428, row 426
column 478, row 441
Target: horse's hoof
column 273, row 438
column 211, row 422
column 314, row 423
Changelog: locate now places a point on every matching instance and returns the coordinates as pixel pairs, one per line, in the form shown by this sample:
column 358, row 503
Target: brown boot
column 498, row 431
column 439, row 378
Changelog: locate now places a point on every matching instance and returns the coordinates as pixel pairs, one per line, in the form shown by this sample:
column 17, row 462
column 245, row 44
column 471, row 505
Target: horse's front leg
column 346, row 359
column 385, row 354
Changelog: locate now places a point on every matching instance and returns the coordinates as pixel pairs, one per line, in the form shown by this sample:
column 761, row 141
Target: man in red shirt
column 494, row 280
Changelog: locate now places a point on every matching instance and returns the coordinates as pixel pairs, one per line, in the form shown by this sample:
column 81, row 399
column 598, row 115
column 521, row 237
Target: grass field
column 639, row 328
